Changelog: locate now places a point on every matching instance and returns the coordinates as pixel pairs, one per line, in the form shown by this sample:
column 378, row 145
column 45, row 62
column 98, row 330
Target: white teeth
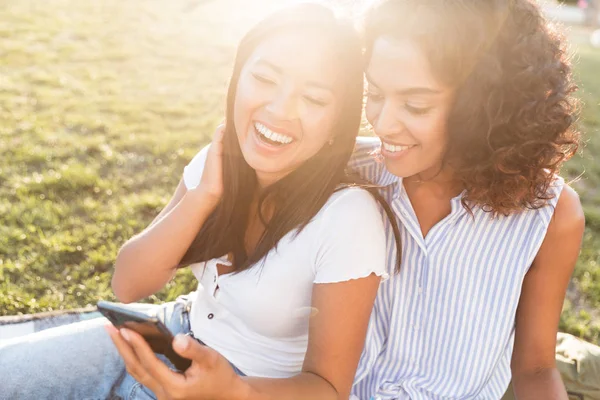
column 269, row 134
column 392, row 148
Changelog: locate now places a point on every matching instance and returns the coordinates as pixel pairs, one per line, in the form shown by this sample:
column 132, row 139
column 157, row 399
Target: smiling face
column 287, row 103
column 408, row 108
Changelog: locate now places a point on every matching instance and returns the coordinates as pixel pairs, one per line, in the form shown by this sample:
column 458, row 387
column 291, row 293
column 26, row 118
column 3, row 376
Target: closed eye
column 317, row 102
column 263, row 79
column 417, row 110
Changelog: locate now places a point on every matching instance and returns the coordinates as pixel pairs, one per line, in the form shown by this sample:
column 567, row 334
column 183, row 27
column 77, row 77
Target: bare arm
column 533, row 364
column 147, row 261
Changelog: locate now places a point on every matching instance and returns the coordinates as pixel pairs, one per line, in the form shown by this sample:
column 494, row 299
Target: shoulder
column 562, row 242
column 349, row 241
column 568, row 215
column 193, row 171
column 350, row 211
column 349, row 200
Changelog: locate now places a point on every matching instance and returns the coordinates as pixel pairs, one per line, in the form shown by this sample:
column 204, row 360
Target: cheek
column 244, row 105
column 433, row 133
column 318, row 125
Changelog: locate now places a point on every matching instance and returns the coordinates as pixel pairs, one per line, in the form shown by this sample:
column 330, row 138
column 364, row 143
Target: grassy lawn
column 103, row 103
column 581, row 315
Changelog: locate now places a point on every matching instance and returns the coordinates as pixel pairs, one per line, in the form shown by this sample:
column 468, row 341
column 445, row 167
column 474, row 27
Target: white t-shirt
column 258, row 318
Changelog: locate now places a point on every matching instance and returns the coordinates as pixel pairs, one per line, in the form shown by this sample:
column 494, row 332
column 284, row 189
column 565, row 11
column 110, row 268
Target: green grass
column 580, row 314
column 103, row 103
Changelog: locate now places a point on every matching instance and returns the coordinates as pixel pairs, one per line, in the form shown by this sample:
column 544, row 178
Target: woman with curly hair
column 472, row 105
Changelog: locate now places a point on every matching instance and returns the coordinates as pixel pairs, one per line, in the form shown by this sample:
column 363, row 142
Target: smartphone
column 158, row 336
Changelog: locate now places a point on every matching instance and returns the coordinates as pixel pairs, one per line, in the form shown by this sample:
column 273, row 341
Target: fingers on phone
column 146, row 356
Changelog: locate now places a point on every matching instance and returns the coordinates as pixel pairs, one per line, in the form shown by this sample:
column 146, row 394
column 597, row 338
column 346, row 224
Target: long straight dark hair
column 298, row 197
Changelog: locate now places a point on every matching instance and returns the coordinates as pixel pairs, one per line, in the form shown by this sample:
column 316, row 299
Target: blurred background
column 102, row 103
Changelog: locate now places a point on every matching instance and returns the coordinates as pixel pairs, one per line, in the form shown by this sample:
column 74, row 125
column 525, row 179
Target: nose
column 283, row 106
column 387, row 122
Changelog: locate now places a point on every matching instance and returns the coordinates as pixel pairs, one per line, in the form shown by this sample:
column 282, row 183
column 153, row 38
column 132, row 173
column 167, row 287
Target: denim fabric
column 78, row 361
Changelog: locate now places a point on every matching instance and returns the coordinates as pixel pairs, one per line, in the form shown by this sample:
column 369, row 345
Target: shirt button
column 211, row 316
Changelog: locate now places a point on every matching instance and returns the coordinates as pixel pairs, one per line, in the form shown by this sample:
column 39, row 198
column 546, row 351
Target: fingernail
column 125, row 334
column 181, row 341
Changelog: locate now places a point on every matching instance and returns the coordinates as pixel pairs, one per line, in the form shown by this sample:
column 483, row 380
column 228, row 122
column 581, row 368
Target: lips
column 272, row 136
column 390, row 150
column 271, row 142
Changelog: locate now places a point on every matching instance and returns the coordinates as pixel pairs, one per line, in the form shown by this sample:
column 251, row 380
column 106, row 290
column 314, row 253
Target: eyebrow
column 408, row 91
column 318, row 85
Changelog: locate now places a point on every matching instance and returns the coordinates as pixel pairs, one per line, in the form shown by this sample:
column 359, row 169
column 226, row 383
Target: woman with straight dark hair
column 288, row 256
column 472, row 102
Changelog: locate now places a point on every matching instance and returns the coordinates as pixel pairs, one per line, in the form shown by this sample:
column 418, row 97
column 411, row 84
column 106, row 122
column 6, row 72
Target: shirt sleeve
column 193, row 171
column 363, row 161
column 351, row 242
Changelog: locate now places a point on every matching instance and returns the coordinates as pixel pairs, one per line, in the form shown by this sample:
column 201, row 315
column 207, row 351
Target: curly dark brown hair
column 511, row 126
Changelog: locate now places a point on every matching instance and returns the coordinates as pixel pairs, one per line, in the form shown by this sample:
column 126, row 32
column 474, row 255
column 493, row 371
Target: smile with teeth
column 278, row 138
column 395, row 148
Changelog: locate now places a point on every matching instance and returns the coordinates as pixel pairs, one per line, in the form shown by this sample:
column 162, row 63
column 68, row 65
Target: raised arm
column 147, row 261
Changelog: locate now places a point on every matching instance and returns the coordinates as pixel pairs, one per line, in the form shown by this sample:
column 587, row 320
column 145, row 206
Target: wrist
column 199, row 195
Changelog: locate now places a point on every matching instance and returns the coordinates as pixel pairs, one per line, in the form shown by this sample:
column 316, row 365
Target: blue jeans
column 78, row 361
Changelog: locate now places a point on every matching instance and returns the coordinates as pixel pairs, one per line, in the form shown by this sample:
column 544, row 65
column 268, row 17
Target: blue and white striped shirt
column 443, row 328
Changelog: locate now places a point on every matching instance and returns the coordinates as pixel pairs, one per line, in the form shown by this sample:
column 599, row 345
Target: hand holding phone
column 158, row 336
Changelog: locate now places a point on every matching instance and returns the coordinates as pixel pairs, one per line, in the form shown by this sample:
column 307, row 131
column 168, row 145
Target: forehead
column 300, row 54
column 399, row 64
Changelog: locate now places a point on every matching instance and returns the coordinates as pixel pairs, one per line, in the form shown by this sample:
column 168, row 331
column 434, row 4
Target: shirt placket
column 210, row 281
column 408, row 218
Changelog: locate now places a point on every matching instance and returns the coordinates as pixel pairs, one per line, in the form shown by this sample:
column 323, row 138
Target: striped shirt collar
column 388, row 179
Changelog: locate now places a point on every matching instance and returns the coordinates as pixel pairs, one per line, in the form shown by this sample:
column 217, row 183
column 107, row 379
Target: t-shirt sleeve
column 193, row 171
column 351, row 242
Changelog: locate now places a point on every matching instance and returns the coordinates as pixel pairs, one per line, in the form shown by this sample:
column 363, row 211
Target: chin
column 266, row 168
column 399, row 169
column 263, row 164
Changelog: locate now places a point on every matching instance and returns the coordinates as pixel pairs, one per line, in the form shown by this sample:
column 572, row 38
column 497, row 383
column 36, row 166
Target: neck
column 438, row 182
